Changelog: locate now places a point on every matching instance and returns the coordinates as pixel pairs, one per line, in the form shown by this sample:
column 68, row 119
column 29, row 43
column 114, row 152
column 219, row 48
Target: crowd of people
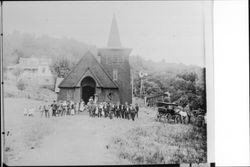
column 102, row 109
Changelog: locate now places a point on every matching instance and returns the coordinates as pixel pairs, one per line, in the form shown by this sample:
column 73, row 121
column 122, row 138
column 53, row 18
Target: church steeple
column 115, row 60
column 114, row 37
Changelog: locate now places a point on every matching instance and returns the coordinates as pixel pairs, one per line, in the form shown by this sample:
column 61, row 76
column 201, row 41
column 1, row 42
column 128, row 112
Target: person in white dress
column 76, row 107
column 81, row 107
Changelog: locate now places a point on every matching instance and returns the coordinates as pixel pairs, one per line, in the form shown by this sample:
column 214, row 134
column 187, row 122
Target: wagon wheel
column 169, row 117
column 165, row 118
column 192, row 119
column 177, row 118
column 159, row 117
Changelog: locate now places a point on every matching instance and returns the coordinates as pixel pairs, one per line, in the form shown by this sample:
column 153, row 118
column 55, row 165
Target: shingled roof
column 88, row 63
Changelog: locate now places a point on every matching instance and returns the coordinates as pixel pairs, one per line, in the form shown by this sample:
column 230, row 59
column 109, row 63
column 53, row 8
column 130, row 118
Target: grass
column 27, row 136
column 148, row 142
column 161, row 144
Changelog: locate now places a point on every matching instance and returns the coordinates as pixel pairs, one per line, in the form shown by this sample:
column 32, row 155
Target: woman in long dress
column 77, row 108
column 64, row 105
column 82, row 106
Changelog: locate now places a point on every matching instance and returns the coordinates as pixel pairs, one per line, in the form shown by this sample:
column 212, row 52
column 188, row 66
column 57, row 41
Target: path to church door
column 88, row 87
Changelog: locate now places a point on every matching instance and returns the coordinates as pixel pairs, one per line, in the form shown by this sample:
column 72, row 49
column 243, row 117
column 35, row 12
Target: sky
column 156, row 30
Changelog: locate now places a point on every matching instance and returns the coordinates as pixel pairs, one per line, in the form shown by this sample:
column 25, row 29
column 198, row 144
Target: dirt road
column 77, row 140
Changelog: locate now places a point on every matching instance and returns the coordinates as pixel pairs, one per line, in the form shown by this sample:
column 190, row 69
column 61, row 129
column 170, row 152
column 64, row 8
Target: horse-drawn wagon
column 171, row 112
column 166, row 112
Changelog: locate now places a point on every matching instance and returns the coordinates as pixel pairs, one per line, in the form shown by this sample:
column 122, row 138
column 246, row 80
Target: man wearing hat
column 166, row 97
column 54, row 108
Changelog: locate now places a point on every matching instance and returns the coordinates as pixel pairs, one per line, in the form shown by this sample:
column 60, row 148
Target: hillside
column 184, row 82
column 27, row 45
column 19, row 44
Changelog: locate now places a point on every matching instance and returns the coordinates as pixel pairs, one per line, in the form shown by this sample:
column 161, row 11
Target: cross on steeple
column 114, row 37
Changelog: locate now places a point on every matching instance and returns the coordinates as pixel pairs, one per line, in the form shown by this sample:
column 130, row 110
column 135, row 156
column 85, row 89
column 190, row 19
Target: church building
column 106, row 78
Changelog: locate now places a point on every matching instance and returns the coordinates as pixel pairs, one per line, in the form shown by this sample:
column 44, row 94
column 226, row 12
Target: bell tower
column 115, row 59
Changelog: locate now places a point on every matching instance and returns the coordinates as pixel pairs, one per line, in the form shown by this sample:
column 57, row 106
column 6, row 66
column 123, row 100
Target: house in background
column 34, row 71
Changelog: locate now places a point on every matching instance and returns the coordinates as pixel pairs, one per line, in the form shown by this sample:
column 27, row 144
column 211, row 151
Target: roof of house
column 58, row 81
column 88, row 63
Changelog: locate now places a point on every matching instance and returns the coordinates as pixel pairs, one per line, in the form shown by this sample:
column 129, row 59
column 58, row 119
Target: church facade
column 106, row 78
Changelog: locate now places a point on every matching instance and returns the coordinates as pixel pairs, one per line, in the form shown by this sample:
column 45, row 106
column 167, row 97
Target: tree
column 62, row 67
column 151, row 87
column 188, row 76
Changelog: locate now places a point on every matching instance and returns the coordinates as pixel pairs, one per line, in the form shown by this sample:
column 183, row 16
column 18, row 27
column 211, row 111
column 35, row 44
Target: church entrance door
column 88, row 88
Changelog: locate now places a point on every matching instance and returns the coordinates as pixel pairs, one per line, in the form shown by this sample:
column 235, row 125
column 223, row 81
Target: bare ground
column 70, row 140
column 81, row 140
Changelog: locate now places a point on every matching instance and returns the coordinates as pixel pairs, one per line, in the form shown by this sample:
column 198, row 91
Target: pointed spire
column 114, row 37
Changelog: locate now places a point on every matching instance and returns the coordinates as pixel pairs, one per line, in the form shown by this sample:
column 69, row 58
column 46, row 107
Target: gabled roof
column 88, row 73
column 88, row 66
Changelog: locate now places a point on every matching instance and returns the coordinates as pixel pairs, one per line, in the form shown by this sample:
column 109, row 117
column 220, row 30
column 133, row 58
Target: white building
column 35, row 70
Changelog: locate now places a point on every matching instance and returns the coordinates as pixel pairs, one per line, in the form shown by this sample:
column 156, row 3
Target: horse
column 184, row 118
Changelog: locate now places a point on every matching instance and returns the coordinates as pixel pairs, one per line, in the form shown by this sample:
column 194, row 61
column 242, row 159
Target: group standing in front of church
column 102, row 109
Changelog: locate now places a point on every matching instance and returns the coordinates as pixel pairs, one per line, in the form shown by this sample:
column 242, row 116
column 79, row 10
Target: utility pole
column 142, row 76
column 141, row 87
